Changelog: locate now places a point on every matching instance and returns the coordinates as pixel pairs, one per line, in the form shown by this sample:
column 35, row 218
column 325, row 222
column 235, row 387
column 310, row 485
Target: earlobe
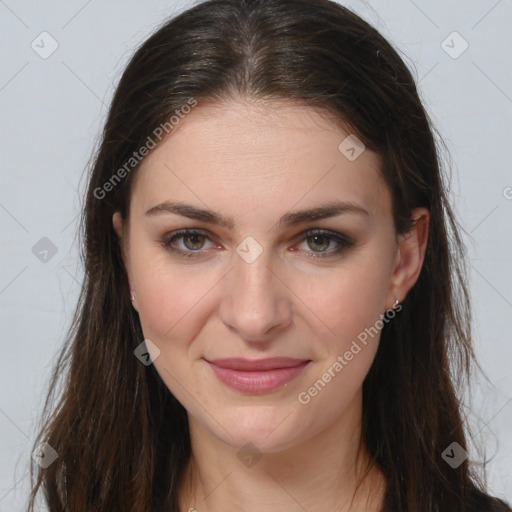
column 410, row 255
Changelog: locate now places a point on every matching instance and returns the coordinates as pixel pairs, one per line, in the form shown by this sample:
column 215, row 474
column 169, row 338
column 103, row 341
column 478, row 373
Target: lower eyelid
column 168, row 242
column 339, row 239
column 338, row 245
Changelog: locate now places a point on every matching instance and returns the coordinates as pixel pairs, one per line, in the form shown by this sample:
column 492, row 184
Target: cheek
column 172, row 299
column 164, row 299
column 346, row 300
column 347, row 310
column 172, row 310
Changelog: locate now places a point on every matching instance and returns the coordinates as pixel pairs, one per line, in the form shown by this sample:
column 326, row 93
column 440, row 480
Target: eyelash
column 343, row 241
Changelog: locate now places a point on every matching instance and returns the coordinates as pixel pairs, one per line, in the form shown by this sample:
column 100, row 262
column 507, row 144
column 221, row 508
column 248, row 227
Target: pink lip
column 257, row 375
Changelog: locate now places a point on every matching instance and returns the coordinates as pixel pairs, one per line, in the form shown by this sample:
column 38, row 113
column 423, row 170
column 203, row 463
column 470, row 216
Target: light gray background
column 52, row 113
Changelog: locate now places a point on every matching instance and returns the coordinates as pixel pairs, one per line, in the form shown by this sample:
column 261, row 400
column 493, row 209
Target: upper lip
column 271, row 363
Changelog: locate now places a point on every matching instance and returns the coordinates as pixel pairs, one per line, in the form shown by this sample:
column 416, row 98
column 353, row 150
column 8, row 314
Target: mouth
column 257, row 376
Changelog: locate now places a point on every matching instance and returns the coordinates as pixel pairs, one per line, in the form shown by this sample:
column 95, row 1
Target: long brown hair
column 122, row 438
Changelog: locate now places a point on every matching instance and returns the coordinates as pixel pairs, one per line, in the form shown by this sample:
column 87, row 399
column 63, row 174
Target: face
column 254, row 278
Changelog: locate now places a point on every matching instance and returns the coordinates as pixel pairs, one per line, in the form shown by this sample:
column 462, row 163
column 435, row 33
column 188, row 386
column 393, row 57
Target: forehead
column 235, row 155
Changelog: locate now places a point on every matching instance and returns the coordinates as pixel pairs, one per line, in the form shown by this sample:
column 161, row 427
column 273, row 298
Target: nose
column 255, row 303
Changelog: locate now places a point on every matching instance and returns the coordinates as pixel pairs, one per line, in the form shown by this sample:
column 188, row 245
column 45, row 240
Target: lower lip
column 259, row 381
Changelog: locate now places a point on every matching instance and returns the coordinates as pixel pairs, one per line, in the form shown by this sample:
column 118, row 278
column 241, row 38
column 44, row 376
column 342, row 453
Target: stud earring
column 390, row 313
column 132, row 298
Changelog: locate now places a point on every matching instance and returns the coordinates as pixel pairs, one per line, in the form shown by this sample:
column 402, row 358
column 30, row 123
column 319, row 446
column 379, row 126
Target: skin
column 254, row 162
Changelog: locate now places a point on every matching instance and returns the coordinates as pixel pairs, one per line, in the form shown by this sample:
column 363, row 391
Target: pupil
column 194, row 241
column 320, row 237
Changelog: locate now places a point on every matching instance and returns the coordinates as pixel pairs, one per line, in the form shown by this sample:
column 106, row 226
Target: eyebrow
column 331, row 209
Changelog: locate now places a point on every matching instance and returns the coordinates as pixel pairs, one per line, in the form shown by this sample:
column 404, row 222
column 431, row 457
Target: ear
column 410, row 256
column 117, row 222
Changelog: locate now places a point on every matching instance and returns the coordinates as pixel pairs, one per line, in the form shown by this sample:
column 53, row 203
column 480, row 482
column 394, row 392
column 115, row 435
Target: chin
column 268, row 428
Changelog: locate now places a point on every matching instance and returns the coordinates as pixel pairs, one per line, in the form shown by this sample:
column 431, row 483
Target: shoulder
column 479, row 501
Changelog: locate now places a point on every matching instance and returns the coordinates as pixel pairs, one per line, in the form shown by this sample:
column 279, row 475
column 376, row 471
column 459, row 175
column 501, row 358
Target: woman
column 274, row 293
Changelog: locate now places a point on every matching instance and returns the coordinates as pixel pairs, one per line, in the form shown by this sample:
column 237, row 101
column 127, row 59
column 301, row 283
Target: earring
column 392, row 312
column 132, row 298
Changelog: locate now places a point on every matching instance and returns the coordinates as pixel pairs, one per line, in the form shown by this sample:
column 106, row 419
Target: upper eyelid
column 188, row 231
column 180, row 233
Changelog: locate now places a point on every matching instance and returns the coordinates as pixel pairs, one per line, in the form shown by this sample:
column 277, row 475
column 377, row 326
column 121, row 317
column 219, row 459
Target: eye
column 319, row 240
column 190, row 243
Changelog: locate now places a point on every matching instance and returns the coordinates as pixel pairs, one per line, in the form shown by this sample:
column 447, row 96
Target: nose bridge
column 254, row 301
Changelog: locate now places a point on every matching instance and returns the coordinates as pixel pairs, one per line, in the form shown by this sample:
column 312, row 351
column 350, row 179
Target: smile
column 257, row 376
